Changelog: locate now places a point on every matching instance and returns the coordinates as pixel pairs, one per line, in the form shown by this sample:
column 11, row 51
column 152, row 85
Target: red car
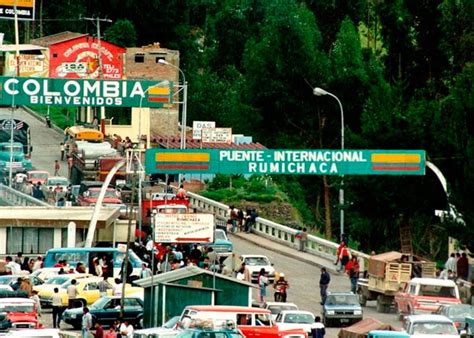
column 37, row 176
column 19, row 313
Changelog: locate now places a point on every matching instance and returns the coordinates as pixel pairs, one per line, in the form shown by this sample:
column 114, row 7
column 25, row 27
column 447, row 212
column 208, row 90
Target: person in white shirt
column 146, row 271
column 451, row 263
column 38, row 263
column 12, row 267
column 118, row 287
column 126, row 329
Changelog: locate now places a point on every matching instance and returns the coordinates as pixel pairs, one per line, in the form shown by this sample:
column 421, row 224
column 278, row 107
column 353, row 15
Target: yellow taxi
column 88, row 290
column 46, row 290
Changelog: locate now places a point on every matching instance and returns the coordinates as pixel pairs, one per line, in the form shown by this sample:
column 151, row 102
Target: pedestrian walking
column 323, row 284
column 62, row 148
column 463, row 267
column 344, row 256
column 317, row 328
column 72, row 294
column 99, row 331
column 86, row 324
column 353, row 270
column 57, row 304
column 57, row 166
column 303, row 239
column 262, row 284
column 34, row 297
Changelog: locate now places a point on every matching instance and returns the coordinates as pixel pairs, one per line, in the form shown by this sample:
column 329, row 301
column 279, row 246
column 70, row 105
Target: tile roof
column 174, row 142
column 48, row 40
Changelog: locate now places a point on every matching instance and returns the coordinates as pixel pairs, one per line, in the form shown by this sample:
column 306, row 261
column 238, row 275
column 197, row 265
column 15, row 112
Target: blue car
column 341, row 308
column 222, row 246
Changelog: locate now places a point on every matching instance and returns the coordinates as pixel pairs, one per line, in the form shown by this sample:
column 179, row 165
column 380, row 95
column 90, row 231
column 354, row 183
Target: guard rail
column 11, row 196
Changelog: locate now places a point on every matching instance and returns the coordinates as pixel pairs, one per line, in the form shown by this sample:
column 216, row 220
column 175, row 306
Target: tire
column 380, row 305
column 362, row 298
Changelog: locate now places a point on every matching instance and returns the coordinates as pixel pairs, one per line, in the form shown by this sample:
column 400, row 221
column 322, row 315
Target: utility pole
column 97, row 22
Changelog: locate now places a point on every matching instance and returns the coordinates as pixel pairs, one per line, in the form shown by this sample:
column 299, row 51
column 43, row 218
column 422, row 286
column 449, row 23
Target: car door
column 133, row 310
column 91, row 292
column 110, row 312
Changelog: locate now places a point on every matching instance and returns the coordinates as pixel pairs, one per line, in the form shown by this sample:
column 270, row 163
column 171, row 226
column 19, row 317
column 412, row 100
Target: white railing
column 274, row 231
column 11, row 196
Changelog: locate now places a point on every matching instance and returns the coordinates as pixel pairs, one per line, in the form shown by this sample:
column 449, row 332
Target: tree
column 122, row 33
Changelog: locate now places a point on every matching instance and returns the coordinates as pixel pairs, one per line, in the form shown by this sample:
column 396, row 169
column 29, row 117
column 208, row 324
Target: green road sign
column 286, row 161
column 78, row 92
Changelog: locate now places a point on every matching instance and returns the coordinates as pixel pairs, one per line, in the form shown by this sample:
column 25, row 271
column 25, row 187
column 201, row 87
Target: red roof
column 174, row 142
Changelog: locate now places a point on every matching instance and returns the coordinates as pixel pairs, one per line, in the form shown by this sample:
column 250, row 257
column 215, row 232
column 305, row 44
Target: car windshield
column 431, row 328
column 170, row 324
column 39, row 175
column 461, row 311
column 220, row 235
column 100, row 303
column 58, row 280
column 58, row 181
column 7, row 280
column 299, row 318
column 437, row 291
column 342, row 300
column 276, row 309
column 108, row 193
column 16, row 308
column 256, row 261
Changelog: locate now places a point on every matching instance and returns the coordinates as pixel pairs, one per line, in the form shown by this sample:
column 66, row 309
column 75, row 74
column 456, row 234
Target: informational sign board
column 30, row 65
column 199, row 125
column 184, row 228
column 286, row 161
column 216, row 135
column 25, row 9
column 78, row 92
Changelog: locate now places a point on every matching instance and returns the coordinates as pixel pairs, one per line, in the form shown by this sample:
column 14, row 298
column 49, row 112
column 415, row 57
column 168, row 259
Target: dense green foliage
column 403, row 70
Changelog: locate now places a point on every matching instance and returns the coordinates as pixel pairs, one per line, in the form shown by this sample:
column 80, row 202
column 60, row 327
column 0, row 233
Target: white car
column 255, row 263
column 45, row 273
column 42, row 333
column 420, row 326
column 295, row 319
column 55, row 181
column 277, row 307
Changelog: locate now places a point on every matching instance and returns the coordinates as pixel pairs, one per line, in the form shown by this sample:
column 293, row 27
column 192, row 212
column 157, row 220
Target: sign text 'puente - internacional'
column 79, row 92
column 286, row 161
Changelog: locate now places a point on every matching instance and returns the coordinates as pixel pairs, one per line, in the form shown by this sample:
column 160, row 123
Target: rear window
column 432, row 328
column 437, row 291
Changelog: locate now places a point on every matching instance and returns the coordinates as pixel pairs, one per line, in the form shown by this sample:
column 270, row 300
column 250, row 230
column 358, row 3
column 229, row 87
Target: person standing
column 99, row 331
column 463, row 267
column 57, row 304
column 352, row 270
column 57, row 166
column 62, row 149
column 303, row 239
column 72, row 294
column 451, row 263
column 323, row 284
column 317, row 328
column 262, row 284
column 126, row 329
column 110, row 333
column 86, row 324
column 345, row 256
column 146, row 271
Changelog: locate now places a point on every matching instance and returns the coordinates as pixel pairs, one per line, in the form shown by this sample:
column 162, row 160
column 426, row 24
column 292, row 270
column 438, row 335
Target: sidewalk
column 268, row 244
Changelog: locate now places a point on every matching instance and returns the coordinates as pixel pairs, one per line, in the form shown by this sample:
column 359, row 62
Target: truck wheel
column 362, row 299
column 381, row 308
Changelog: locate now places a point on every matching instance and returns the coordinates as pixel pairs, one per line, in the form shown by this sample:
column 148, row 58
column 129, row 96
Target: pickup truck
column 19, row 161
column 426, row 295
column 18, row 313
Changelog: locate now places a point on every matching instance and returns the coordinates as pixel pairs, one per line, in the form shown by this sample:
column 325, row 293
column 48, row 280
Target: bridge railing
column 14, row 197
column 277, row 232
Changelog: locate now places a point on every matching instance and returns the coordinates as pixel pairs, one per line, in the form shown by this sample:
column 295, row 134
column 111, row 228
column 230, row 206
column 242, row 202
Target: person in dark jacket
column 463, row 267
column 323, row 285
column 317, row 328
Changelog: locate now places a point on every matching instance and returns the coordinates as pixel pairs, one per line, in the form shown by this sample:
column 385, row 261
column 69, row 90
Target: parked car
column 54, row 181
column 45, row 273
column 40, row 333
column 210, row 333
column 106, row 310
column 295, row 319
column 341, row 307
column 222, row 245
column 277, row 307
column 457, row 313
column 387, row 334
column 430, row 326
column 11, row 279
column 426, row 295
column 155, row 332
column 88, row 194
column 18, row 313
column 37, row 176
column 255, row 263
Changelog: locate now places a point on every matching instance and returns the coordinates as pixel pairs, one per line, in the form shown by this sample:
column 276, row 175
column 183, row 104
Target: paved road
column 302, row 276
column 304, row 282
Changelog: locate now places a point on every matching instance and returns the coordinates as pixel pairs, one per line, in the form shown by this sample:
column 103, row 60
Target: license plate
column 344, row 320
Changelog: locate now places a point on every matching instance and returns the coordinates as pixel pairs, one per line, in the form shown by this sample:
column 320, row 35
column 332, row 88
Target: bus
column 81, row 133
column 86, row 255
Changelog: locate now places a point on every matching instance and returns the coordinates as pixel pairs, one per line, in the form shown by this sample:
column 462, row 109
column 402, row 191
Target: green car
column 210, row 333
column 106, row 310
column 387, row 334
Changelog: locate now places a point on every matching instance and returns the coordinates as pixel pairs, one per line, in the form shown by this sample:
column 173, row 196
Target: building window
column 55, row 55
column 29, row 240
column 139, row 58
column 158, row 58
column 81, row 235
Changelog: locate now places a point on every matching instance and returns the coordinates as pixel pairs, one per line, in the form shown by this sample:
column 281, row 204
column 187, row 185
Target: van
column 252, row 322
column 86, row 255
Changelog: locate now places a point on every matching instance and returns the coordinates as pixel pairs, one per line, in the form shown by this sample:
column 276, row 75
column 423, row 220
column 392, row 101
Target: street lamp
column 184, row 102
column 321, row 92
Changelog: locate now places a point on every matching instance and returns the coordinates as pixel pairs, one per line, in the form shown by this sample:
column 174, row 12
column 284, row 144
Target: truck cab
column 19, row 160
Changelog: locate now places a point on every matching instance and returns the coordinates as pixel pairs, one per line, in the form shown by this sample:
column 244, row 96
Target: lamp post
column 321, row 92
column 184, row 102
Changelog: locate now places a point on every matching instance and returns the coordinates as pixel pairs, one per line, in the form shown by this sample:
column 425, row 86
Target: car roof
column 38, row 171
column 96, row 249
column 433, row 281
column 225, row 308
column 285, row 312
column 280, row 303
column 429, row 318
column 254, row 256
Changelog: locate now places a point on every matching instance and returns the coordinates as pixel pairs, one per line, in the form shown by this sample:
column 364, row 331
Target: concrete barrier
column 11, row 196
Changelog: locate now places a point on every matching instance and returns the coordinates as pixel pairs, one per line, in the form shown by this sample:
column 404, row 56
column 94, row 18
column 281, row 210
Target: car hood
column 76, row 311
column 16, row 317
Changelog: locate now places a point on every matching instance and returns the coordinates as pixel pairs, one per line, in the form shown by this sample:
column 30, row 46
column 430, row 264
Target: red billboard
column 79, row 59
